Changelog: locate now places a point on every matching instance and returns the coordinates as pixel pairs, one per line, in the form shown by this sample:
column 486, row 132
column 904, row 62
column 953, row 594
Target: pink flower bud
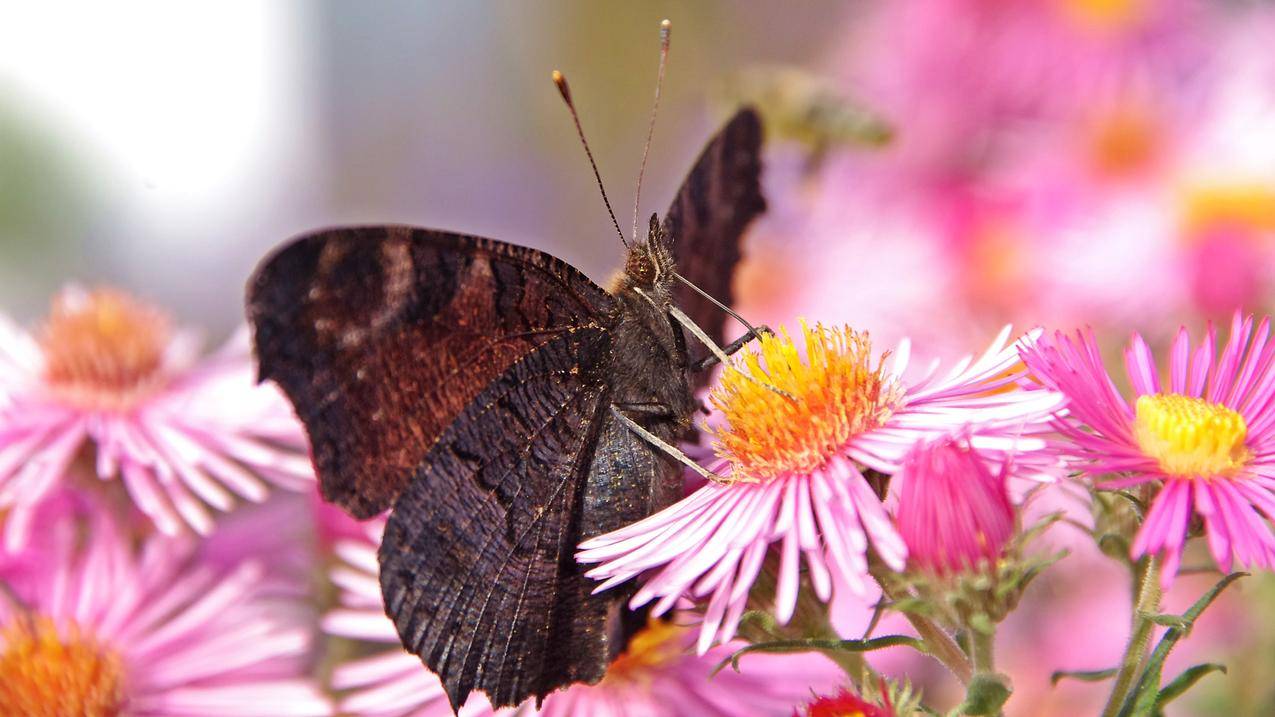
column 954, row 511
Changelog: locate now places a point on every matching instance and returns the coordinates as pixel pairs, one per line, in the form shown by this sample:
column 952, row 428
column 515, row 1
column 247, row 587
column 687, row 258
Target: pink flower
column 954, row 511
column 655, row 677
column 796, row 460
column 93, row 627
column 1208, row 436
column 181, row 434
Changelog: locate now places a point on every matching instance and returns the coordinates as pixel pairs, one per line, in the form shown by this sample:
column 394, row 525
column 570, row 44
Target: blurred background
column 167, row 149
column 934, row 169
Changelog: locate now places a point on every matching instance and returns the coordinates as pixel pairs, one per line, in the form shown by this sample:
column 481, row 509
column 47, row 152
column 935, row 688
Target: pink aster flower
column 181, row 434
column 1206, row 436
column 96, row 628
column 795, row 461
column 954, row 510
column 657, row 676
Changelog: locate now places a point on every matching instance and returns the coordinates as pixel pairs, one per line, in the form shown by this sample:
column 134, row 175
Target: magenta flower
column 795, row 461
column 1208, row 437
column 92, row 627
column 656, row 677
column 181, row 434
column 954, row 510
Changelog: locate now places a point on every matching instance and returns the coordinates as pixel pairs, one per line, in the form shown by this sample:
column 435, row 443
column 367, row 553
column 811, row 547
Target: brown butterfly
column 490, row 394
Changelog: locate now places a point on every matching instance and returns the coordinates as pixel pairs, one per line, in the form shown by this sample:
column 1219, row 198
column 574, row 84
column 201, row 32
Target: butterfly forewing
column 717, row 201
column 381, row 335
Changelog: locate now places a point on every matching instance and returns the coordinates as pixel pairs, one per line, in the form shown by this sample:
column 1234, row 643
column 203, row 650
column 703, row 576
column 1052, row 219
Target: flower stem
column 982, row 651
column 1146, row 605
column 940, row 644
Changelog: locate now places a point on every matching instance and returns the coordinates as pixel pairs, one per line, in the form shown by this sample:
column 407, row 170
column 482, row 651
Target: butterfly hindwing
column 707, row 219
column 380, row 335
column 477, row 559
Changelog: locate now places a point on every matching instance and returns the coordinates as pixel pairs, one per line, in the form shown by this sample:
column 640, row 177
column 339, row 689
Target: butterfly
column 492, row 396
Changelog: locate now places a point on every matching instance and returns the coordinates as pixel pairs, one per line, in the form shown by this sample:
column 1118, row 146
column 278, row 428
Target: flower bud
column 954, row 511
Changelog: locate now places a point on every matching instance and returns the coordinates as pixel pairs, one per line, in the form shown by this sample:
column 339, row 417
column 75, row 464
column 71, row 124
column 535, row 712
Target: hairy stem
column 1146, row 605
column 982, row 651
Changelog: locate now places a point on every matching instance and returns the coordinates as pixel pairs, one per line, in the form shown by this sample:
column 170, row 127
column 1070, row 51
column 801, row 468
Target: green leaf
column 1185, row 681
column 811, row 645
column 1176, row 621
column 1143, row 698
column 1082, row 675
column 986, row 694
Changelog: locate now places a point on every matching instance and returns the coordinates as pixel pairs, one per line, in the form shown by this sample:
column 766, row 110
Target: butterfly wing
column 381, row 335
column 478, row 573
column 707, row 219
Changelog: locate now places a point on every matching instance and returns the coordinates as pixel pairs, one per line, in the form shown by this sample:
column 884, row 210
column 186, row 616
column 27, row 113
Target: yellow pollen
column 1190, row 437
column 44, row 673
column 833, row 394
column 657, row 645
column 103, row 348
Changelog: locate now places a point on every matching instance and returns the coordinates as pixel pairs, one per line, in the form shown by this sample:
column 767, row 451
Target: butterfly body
column 473, row 386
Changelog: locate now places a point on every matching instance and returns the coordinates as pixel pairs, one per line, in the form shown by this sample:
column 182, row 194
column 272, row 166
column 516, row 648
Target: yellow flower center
column 103, row 348
column 1244, row 206
column 1190, row 437
column 656, row 646
column 1105, row 15
column 44, row 673
column 821, row 402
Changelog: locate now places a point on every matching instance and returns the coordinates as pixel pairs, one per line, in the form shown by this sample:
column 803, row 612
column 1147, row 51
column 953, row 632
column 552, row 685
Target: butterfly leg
column 730, row 349
column 618, row 410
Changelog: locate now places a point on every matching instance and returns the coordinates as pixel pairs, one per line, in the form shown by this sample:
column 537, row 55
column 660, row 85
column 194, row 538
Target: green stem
column 943, row 647
column 1146, row 605
column 940, row 644
column 982, row 651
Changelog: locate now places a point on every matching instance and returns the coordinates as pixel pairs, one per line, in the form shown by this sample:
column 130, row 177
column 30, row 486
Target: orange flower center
column 1189, row 436
column 1123, row 142
column 1105, row 15
column 788, row 413
column 655, row 647
column 44, row 673
column 103, row 348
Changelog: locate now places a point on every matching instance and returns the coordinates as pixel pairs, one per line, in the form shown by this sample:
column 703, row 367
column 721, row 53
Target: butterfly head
column 649, row 265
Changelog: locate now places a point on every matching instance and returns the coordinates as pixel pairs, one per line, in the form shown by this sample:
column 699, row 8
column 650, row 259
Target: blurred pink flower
column 91, row 626
column 954, row 511
column 1209, row 438
column 656, row 677
column 181, row 434
column 968, row 82
column 796, row 471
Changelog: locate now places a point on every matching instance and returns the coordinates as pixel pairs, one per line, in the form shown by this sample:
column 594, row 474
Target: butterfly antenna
column 650, row 128
column 561, row 81
column 733, row 314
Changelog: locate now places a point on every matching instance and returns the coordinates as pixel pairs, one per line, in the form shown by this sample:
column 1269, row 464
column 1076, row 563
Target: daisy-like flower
column 182, row 434
column 1207, row 436
column 658, row 676
column 795, row 461
column 95, row 628
column 954, row 510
